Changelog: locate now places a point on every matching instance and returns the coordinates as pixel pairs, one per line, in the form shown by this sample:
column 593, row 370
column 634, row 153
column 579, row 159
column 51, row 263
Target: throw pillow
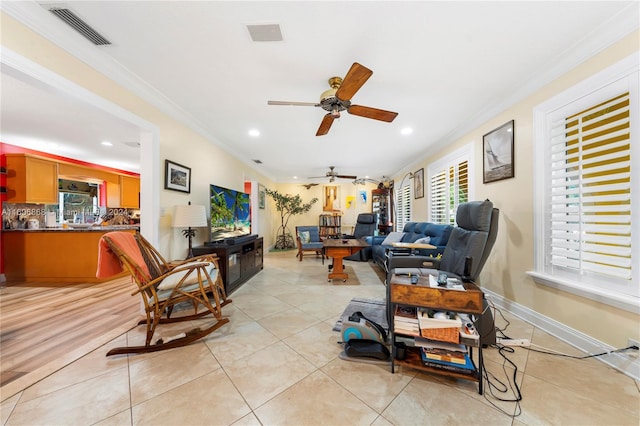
column 423, row 240
column 173, row 279
column 393, row 237
column 305, row 238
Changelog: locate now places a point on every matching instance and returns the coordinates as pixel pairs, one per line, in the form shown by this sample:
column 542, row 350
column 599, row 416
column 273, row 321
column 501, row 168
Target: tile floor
column 276, row 363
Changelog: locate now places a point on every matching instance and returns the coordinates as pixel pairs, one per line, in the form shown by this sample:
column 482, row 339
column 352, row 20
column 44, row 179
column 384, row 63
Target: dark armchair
column 366, row 225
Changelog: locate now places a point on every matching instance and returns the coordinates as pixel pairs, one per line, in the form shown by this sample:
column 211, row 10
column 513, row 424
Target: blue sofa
column 438, row 234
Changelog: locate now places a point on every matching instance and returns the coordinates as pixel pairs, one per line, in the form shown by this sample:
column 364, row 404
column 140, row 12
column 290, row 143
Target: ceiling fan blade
column 327, row 121
column 376, row 114
column 346, row 177
column 293, row 103
column 353, row 81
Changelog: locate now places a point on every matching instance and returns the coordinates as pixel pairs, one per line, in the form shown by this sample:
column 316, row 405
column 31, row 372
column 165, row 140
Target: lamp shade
column 191, row 216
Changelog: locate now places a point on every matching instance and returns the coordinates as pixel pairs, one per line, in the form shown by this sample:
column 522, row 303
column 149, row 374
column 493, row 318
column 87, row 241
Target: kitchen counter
column 96, row 228
column 55, row 255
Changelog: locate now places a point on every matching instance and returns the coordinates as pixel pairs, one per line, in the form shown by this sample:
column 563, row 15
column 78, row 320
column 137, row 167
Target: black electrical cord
column 494, row 385
column 632, row 347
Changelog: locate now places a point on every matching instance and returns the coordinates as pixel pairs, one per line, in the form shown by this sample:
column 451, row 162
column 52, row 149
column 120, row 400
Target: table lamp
column 189, row 216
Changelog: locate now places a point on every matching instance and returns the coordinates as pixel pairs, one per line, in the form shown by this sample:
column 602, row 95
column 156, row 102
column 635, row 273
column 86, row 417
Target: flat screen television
column 230, row 213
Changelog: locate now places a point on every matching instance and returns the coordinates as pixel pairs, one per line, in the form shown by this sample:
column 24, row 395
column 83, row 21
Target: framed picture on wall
column 262, row 195
column 331, row 199
column 498, row 153
column 418, row 184
column 177, row 177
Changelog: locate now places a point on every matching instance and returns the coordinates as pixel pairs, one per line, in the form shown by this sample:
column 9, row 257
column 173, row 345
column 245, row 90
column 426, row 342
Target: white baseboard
column 621, row 362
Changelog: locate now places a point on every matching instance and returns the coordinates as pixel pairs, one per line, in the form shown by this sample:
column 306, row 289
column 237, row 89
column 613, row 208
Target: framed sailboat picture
column 498, row 153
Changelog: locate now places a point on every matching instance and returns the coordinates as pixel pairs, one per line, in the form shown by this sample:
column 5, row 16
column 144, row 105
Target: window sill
column 627, row 303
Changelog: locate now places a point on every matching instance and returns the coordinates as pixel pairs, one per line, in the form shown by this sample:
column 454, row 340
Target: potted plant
column 288, row 205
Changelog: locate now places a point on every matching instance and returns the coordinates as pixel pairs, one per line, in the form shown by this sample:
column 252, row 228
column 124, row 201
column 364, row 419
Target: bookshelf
column 329, row 225
column 381, row 205
column 401, row 292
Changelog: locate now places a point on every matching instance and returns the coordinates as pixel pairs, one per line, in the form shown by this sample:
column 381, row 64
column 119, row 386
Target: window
column 403, row 206
column 449, row 185
column 585, row 180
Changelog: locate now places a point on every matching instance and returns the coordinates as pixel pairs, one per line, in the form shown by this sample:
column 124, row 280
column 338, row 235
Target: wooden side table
column 402, row 292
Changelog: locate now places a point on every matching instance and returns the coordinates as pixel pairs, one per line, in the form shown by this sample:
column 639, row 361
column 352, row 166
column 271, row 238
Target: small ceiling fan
column 338, row 99
column 332, row 175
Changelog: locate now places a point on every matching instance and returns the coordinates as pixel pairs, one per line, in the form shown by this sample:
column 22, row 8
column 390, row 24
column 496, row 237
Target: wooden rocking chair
column 162, row 286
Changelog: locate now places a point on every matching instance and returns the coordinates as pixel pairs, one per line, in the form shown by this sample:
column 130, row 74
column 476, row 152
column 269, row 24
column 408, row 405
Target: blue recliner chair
column 308, row 240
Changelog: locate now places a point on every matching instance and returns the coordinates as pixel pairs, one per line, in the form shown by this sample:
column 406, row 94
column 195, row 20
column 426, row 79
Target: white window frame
column 620, row 77
column 465, row 153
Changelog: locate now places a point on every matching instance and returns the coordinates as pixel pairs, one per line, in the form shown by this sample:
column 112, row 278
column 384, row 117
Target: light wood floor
column 43, row 322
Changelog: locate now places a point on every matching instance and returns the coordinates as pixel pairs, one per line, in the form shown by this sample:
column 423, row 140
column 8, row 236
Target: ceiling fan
column 338, row 99
column 332, row 175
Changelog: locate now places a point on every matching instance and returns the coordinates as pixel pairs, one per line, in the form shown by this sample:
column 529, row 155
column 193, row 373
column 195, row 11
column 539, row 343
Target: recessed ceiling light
column 106, row 143
column 406, row 131
column 253, row 132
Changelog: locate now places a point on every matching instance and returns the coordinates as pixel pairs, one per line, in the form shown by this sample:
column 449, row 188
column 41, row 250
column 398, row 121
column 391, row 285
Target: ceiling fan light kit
column 338, row 99
column 332, row 175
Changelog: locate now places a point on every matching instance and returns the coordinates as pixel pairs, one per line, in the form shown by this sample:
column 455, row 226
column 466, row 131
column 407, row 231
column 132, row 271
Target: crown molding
column 608, row 33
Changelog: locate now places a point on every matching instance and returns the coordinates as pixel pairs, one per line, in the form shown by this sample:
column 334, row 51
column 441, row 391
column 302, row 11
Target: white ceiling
column 445, row 67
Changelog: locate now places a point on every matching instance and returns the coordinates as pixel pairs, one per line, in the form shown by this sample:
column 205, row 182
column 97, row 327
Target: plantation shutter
column 590, row 190
column 403, row 204
column 439, row 197
column 449, row 188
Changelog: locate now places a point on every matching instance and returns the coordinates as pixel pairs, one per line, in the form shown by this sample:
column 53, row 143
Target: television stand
column 238, row 261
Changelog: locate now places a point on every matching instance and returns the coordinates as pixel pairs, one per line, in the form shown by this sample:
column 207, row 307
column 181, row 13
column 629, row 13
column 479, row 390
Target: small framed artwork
column 418, row 184
column 262, row 195
column 498, row 153
column 177, row 177
column 331, row 200
column 362, row 197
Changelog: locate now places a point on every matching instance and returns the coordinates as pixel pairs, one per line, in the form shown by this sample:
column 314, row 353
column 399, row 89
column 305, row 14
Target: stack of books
column 405, row 321
column 445, row 356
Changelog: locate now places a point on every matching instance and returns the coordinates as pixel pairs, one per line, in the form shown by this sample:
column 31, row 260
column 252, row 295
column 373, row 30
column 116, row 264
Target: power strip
column 515, row 342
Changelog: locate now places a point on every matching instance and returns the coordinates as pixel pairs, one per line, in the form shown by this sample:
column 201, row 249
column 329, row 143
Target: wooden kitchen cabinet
column 124, row 193
column 56, row 255
column 31, row 179
column 129, row 192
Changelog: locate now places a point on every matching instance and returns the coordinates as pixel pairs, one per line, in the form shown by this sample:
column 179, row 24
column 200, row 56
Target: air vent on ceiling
column 132, row 144
column 267, row 32
column 79, row 25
